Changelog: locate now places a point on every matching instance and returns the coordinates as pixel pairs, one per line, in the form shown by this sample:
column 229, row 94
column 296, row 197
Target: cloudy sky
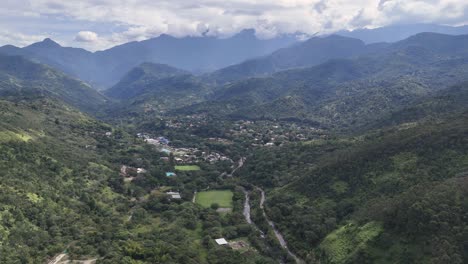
column 100, row 24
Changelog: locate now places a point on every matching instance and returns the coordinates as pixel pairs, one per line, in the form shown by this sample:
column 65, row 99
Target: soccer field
column 187, row 168
column 221, row 197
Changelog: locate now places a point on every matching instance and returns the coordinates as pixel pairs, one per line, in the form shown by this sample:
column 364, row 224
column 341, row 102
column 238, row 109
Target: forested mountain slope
column 311, row 52
column 54, row 184
column 20, row 77
column 398, row 195
column 438, row 105
column 318, row 50
column 62, row 191
column 142, row 79
column 155, row 88
column 344, row 93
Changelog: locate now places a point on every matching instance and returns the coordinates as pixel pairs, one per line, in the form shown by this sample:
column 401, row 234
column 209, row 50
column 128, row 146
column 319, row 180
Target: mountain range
column 311, row 52
column 345, row 91
column 103, row 69
column 318, row 80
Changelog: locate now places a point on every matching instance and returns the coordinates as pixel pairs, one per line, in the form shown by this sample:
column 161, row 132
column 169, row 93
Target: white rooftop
column 221, row 241
column 174, row 195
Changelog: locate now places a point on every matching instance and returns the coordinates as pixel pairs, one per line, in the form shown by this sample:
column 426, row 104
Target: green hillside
column 21, row 78
column 53, row 186
column 143, row 79
column 322, row 196
column 61, row 190
column 153, row 89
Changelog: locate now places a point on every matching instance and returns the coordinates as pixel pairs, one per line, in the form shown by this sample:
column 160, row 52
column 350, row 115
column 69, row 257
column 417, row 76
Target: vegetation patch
column 187, row 168
column 221, row 197
column 340, row 187
column 34, row 198
column 346, row 241
column 7, row 136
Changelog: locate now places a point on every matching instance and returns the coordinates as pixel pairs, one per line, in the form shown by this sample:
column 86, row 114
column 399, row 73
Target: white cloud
column 86, row 36
column 141, row 19
column 19, row 39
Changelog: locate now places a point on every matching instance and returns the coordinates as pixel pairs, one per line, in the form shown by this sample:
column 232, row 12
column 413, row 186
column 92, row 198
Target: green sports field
column 187, row 168
column 221, row 197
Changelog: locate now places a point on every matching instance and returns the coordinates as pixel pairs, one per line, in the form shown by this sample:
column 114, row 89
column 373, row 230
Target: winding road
column 278, row 235
column 246, row 211
column 239, row 165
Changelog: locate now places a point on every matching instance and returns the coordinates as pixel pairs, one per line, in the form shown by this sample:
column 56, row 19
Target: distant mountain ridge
column 318, row 50
column 105, row 68
column 311, row 52
column 248, row 55
column 344, row 92
column 394, row 33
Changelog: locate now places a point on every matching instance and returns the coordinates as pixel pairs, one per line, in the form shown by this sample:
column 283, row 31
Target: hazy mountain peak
column 164, row 36
column 9, row 46
column 249, row 32
column 46, row 43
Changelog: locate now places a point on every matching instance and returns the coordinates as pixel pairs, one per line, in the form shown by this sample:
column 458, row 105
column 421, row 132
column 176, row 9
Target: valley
column 330, row 150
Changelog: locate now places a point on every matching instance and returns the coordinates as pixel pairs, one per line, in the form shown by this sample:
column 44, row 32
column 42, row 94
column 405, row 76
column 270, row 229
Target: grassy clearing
column 223, row 198
column 187, row 168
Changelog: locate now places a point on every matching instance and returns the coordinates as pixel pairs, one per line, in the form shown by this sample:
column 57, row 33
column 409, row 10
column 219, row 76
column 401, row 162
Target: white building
column 221, row 241
column 174, row 195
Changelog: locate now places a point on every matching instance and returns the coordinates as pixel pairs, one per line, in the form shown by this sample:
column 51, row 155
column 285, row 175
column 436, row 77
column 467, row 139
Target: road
column 239, row 165
column 278, row 235
column 194, row 196
column 57, row 258
column 246, row 211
